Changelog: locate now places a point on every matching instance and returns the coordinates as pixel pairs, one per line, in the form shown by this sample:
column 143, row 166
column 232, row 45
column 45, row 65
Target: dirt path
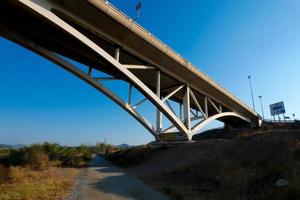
column 103, row 181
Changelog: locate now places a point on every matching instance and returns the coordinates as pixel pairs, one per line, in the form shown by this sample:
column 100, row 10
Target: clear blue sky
column 228, row 40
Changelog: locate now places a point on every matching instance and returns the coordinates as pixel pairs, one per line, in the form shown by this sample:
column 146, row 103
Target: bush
column 102, row 148
column 16, row 174
column 37, row 161
column 52, row 150
column 14, row 158
column 87, row 156
column 109, row 149
column 40, row 156
column 4, row 152
column 72, row 160
column 33, row 157
column 99, row 148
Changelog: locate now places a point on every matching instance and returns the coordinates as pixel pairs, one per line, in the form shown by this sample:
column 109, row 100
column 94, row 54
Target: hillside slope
column 249, row 167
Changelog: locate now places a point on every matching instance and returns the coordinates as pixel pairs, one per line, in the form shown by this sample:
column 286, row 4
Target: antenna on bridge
column 138, row 8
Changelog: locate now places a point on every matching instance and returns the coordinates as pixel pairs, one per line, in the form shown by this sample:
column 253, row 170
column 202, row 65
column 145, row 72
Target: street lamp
column 249, row 77
column 261, row 105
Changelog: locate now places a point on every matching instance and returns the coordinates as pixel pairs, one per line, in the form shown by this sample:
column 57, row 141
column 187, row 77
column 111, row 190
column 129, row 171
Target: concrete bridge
column 102, row 38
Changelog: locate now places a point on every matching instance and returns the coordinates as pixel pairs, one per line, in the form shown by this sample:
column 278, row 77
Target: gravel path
column 104, row 181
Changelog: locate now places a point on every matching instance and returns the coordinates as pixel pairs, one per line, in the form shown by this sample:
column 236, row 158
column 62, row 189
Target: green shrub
column 14, row 158
column 87, row 156
column 33, row 157
column 102, row 148
column 4, row 152
column 73, row 160
column 52, row 150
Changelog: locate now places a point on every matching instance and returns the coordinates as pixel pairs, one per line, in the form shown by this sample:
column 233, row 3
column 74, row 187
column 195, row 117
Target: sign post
column 277, row 109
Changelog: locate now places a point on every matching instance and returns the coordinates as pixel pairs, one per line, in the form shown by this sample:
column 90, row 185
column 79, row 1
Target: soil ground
column 102, row 180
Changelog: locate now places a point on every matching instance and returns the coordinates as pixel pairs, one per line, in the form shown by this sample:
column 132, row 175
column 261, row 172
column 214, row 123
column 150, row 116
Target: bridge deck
column 139, row 42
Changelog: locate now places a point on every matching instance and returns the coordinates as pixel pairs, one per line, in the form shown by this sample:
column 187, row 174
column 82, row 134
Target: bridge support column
column 117, row 54
column 158, row 112
column 180, row 111
column 205, row 107
column 187, row 108
column 130, row 94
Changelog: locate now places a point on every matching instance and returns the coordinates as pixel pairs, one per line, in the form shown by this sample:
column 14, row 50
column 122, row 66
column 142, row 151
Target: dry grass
column 246, row 169
column 17, row 183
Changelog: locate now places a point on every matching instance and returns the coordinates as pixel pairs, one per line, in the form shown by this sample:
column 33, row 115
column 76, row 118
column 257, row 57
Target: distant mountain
column 17, row 146
column 123, row 146
column 6, row 146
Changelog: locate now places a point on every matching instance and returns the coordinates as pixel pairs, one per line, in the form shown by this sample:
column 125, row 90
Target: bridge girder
column 206, row 111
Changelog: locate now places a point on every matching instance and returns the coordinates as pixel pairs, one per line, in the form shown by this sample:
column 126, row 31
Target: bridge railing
column 282, row 121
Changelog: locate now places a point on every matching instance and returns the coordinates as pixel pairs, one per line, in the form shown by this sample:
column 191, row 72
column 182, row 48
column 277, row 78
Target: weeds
column 247, row 169
column 35, row 172
column 23, row 183
column 173, row 193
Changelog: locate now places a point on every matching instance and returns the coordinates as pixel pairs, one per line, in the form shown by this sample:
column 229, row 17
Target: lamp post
column 138, row 8
column 261, row 105
column 249, row 77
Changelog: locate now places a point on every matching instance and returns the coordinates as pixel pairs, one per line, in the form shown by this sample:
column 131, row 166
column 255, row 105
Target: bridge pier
column 187, row 108
column 158, row 112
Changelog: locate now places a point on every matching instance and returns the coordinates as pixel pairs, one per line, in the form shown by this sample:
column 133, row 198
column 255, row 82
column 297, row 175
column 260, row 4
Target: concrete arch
column 44, row 10
column 203, row 123
column 80, row 74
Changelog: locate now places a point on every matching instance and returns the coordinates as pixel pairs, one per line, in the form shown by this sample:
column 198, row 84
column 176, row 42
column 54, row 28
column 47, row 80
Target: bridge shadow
column 117, row 184
column 101, row 165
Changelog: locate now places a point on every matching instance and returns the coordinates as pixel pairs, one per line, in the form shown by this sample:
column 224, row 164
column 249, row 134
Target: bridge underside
column 54, row 30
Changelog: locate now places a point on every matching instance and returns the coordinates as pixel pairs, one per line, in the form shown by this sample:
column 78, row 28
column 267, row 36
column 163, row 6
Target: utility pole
column 261, row 105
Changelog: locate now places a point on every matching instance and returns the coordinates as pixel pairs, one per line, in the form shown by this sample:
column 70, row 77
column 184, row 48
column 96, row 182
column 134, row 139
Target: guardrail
column 281, row 121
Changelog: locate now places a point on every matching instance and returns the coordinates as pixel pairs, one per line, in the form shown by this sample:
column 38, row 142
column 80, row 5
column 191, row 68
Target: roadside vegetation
column 42, row 171
column 260, row 166
column 103, row 149
column 41, row 156
column 22, row 183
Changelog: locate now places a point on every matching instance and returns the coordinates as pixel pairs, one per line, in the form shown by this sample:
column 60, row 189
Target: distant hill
column 123, row 146
column 6, row 146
